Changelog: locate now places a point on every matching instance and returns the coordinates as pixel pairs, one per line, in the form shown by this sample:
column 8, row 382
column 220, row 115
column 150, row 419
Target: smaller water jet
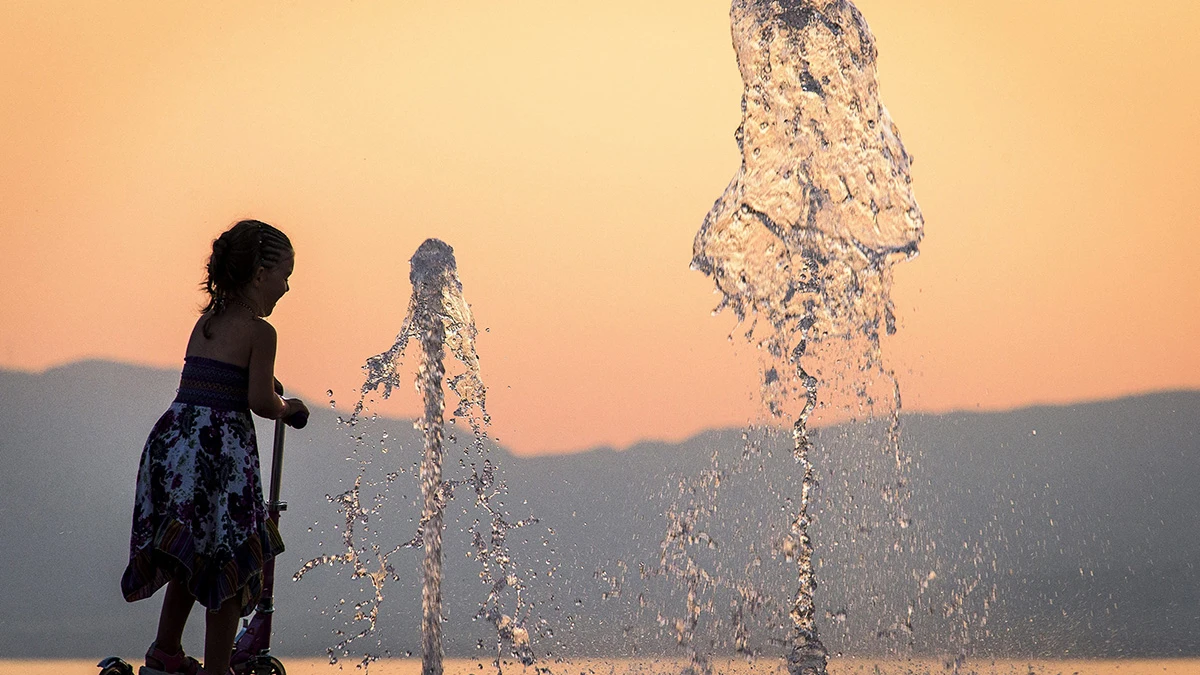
column 433, row 271
column 440, row 319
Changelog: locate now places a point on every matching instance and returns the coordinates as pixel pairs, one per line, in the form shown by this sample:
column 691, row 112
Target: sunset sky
column 568, row 151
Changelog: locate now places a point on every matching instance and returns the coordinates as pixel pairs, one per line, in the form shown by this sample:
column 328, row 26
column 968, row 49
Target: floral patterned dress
column 198, row 514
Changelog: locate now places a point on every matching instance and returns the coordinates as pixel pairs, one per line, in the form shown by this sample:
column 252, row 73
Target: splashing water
column 802, row 241
column 440, row 319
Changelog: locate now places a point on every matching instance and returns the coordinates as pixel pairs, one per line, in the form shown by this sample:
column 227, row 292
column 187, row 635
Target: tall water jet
column 802, row 240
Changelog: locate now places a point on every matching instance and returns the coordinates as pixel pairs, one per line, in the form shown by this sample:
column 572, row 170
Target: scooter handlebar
column 298, row 419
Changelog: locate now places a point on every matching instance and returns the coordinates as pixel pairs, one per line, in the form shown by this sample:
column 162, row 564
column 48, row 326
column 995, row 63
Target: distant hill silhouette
column 1067, row 530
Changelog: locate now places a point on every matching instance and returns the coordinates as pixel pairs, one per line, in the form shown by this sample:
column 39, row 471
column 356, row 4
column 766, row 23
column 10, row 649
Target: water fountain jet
column 440, row 319
column 433, row 269
column 804, row 236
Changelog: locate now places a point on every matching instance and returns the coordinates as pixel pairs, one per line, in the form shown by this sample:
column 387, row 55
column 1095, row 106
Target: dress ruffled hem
column 172, row 556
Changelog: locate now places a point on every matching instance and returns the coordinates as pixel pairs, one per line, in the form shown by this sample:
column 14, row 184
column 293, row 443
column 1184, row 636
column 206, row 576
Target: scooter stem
column 254, row 640
column 277, row 468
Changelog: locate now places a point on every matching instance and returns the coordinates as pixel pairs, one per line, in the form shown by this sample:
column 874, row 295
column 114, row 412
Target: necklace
column 243, row 303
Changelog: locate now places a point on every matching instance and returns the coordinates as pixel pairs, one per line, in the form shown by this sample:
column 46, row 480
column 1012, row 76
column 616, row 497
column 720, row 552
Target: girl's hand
column 295, row 413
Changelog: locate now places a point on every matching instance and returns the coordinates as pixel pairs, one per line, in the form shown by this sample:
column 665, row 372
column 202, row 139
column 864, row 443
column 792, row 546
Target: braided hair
column 236, row 256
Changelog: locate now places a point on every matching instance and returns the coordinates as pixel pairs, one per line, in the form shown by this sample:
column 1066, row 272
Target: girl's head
column 250, row 261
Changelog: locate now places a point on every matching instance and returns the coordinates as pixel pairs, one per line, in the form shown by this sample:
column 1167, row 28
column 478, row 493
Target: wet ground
column 844, row 666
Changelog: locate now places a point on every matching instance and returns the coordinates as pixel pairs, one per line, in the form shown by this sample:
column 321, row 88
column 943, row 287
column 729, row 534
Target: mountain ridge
column 1072, row 536
column 171, row 375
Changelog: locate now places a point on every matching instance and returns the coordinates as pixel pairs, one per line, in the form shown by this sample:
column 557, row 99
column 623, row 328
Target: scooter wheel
column 267, row 665
column 120, row 668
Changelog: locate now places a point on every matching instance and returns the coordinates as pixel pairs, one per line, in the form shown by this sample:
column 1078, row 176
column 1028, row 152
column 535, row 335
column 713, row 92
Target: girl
column 199, row 522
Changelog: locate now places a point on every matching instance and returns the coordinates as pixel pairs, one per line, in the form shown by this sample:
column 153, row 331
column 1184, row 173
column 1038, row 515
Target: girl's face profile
column 272, row 283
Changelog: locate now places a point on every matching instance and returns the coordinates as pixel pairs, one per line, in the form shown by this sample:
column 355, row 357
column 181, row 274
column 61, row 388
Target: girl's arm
column 263, row 399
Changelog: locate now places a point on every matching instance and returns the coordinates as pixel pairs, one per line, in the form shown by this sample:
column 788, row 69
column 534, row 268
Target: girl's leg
column 177, row 604
column 220, row 629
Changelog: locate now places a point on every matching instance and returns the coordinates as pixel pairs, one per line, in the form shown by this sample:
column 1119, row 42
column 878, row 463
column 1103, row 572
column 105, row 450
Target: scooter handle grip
column 297, row 420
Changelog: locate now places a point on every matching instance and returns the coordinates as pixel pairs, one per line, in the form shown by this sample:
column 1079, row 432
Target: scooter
column 252, row 646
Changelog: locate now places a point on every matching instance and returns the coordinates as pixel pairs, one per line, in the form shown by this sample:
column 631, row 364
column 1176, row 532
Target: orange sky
column 568, row 151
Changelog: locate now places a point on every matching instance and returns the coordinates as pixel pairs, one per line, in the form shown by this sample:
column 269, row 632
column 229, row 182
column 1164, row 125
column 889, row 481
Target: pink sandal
column 159, row 662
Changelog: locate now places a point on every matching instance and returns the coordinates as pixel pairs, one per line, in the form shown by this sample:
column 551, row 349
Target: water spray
column 433, row 270
column 440, row 320
column 802, row 241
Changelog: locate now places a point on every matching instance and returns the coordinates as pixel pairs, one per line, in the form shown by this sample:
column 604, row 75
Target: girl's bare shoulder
column 229, row 338
column 263, row 333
